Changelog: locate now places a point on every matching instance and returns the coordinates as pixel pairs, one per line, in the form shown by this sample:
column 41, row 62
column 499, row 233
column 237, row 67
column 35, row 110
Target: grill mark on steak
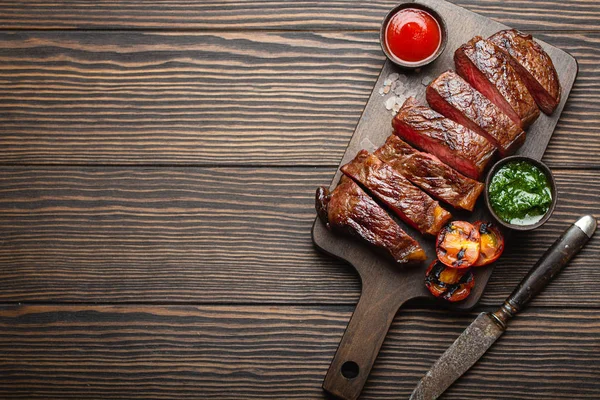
column 454, row 144
column 408, row 202
column 487, row 69
column 430, row 174
column 453, row 97
column 533, row 65
column 349, row 210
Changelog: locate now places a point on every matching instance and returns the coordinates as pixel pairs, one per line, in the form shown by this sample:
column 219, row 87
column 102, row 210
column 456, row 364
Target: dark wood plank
column 274, row 14
column 163, row 235
column 227, row 98
column 291, row 98
column 223, row 352
column 217, row 235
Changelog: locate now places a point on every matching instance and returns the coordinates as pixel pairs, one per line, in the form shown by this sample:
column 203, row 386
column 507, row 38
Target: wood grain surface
column 224, row 352
column 293, row 98
column 274, row 14
column 218, row 235
column 158, row 162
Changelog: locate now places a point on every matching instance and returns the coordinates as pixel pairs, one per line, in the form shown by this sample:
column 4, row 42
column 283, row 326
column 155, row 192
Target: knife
column 488, row 327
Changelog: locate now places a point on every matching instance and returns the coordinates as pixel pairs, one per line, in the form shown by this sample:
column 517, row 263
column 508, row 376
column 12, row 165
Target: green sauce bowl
column 552, row 186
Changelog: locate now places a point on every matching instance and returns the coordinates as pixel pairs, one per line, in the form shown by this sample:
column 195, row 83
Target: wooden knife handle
column 553, row 260
column 361, row 342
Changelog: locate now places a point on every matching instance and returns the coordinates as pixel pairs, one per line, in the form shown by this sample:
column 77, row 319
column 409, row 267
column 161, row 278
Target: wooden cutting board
column 385, row 286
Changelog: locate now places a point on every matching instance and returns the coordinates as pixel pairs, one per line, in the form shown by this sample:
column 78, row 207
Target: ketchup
column 413, row 35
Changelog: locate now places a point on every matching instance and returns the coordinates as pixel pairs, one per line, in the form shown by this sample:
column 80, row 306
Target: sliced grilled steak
column 453, row 97
column 349, row 210
column 407, row 201
column 430, row 174
column 454, row 144
column 533, row 65
column 487, row 69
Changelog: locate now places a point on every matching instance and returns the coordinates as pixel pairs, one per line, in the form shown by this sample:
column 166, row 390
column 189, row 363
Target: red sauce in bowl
column 413, row 35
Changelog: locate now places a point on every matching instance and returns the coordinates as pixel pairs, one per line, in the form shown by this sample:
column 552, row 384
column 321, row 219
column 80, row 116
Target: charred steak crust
column 454, row 144
column 322, row 198
column 488, row 69
column 453, row 97
column 407, row 201
column 430, row 174
column 352, row 212
column 533, row 65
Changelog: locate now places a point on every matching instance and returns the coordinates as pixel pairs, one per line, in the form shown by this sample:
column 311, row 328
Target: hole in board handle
column 350, row 369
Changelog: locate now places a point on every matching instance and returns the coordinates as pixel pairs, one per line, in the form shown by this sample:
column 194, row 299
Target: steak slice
column 453, row 97
column 487, row 69
column 454, row 144
column 349, row 210
column 533, row 65
column 407, row 201
column 430, row 174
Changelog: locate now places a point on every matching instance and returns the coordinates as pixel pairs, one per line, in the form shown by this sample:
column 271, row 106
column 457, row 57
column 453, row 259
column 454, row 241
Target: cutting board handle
column 362, row 340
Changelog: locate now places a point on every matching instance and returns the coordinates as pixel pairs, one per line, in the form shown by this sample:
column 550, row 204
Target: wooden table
column 158, row 162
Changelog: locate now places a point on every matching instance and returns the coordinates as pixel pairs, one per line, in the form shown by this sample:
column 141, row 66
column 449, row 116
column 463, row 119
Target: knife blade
column 488, row 327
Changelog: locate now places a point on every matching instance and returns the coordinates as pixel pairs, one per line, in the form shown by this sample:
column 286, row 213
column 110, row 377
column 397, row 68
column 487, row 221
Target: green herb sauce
column 520, row 193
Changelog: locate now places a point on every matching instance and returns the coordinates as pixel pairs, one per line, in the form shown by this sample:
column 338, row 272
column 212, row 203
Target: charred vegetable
column 447, row 283
column 491, row 243
column 458, row 244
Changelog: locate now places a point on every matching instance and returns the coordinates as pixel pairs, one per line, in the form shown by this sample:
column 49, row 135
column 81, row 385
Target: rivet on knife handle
column 550, row 264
